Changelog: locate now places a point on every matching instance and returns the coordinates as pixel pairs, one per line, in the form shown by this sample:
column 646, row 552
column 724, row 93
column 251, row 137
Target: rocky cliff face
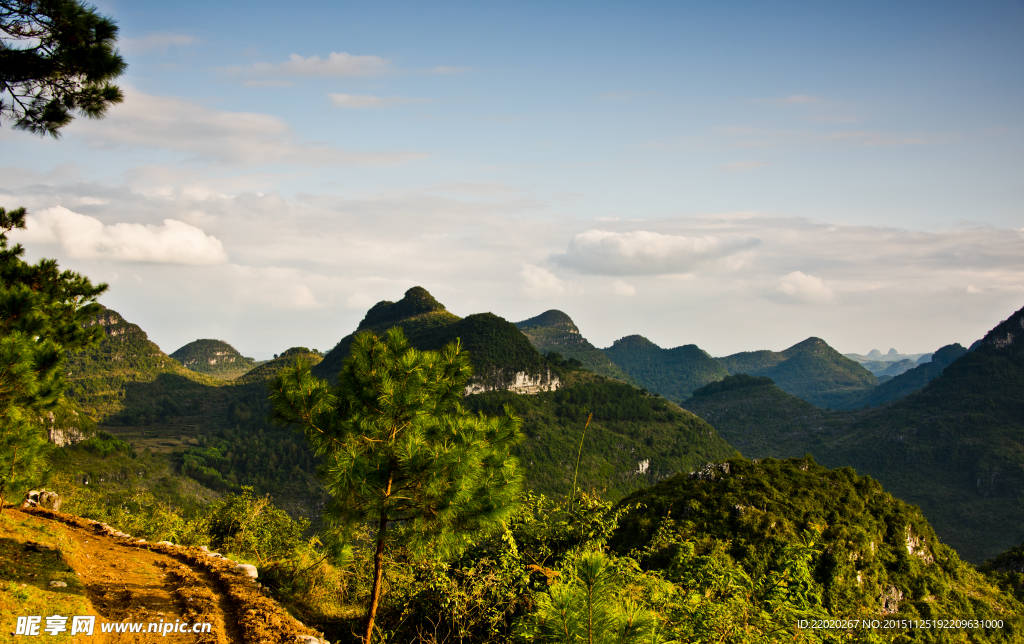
column 519, row 382
column 1009, row 331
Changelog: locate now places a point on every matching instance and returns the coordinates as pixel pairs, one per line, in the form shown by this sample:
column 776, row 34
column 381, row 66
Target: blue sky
column 735, row 175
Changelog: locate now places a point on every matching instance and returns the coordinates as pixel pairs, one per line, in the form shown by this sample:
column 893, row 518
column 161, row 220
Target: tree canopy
column 41, row 314
column 57, row 57
column 399, row 449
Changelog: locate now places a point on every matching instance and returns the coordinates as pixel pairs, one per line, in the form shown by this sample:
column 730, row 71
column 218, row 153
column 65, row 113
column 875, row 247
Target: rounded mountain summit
column 215, row 358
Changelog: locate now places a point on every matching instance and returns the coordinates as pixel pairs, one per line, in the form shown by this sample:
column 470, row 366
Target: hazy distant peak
column 893, row 352
column 551, row 318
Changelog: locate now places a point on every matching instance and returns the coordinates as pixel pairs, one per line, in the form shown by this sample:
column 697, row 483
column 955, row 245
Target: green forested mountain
column 216, row 432
column 497, row 349
column 852, row 548
column 213, row 357
column 269, row 369
column 761, row 420
column 128, row 379
column 811, row 370
column 673, row 373
column 633, row 440
column 555, row 331
column 955, row 447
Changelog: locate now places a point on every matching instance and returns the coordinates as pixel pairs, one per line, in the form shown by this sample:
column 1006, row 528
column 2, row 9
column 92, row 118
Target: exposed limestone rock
column 891, row 598
column 42, row 499
column 917, row 547
column 521, row 383
column 711, row 472
column 248, row 570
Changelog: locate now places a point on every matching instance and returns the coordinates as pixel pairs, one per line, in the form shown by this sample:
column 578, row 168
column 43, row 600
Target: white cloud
column 244, row 138
column 539, row 283
column 160, row 41
column 277, row 287
column 804, row 289
column 336, row 65
column 359, row 101
column 623, row 289
column 84, row 237
column 641, row 252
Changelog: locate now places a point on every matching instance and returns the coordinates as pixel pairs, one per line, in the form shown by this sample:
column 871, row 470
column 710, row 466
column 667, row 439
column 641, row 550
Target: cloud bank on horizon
column 269, row 192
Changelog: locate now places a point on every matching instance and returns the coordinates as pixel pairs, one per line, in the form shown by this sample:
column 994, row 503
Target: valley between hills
column 947, row 435
column 927, row 463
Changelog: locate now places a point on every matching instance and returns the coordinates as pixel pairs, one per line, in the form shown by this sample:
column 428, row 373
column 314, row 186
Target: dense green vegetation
column 737, row 552
column 102, row 379
column 400, row 450
column 213, row 357
column 760, row 420
column 1007, row 571
column 267, row 370
column 954, row 447
column 673, row 373
column 868, row 553
column 42, row 315
column 555, row 331
column 633, row 440
column 811, row 370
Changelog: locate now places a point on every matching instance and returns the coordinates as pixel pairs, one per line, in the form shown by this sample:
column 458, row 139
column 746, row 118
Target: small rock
column 216, row 555
column 204, row 549
column 310, row 639
column 42, row 499
column 248, row 570
column 58, row 584
column 141, row 541
column 164, row 543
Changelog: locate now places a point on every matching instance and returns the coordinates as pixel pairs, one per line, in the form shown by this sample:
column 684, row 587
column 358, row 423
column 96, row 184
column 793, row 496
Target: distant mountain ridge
column 501, row 355
column 810, row 369
column 555, row 331
column 213, row 357
column 954, row 446
column 673, row 373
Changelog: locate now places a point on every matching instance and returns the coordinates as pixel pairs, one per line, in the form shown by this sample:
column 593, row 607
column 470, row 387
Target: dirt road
column 126, row 585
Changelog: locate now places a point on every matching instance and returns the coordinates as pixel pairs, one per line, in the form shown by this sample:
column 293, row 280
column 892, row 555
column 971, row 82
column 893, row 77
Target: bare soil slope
column 126, row 580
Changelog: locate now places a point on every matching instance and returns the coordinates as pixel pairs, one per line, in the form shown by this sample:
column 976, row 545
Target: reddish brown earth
column 128, row 581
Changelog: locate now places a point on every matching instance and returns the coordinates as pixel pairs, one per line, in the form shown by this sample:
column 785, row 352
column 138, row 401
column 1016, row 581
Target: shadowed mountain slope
column 955, row 447
column 811, row 370
column 555, row 331
column 103, row 380
column 269, row 369
column 673, row 373
column 911, row 380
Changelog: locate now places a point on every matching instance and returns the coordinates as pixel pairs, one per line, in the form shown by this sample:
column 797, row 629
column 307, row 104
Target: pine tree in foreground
column 397, row 446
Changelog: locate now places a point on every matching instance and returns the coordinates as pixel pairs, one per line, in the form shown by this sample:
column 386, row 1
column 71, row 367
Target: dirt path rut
column 128, row 584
